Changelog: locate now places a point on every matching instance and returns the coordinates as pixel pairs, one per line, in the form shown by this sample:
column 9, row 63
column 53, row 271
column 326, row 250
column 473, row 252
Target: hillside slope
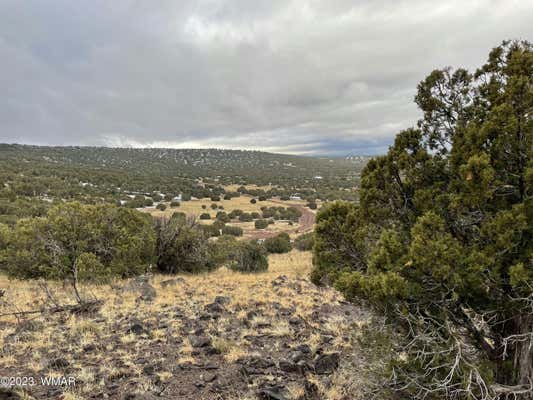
column 218, row 336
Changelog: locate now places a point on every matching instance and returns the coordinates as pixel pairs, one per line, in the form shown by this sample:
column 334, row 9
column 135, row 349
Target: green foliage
column 223, row 216
column 90, row 242
column 312, row 205
column 232, row 230
column 235, row 213
column 246, row 217
column 183, row 247
column 441, row 242
column 278, row 244
column 281, row 213
column 261, row 224
column 253, row 201
column 161, row 206
column 249, row 256
column 205, row 216
column 305, row 242
column 174, row 204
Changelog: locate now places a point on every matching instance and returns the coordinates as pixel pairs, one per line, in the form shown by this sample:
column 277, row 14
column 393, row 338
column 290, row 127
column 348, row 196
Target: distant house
column 295, row 196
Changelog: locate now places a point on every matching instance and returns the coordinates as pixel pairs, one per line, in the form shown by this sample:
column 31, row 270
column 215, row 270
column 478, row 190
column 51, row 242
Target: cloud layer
column 300, row 76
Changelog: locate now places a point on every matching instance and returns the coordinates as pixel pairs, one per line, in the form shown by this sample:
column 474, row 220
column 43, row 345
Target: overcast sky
column 304, row 77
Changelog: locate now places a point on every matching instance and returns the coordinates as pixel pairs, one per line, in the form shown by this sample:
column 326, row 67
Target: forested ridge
column 34, row 177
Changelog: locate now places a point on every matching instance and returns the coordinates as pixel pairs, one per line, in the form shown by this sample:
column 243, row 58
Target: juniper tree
column 441, row 241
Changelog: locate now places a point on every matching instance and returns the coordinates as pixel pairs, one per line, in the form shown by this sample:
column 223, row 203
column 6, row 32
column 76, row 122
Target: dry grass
column 117, row 351
column 194, row 207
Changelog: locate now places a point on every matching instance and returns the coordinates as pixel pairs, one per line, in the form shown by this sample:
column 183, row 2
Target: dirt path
column 306, row 223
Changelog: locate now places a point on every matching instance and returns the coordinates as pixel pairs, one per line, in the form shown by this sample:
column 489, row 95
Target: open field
column 194, row 208
column 233, row 188
column 221, row 335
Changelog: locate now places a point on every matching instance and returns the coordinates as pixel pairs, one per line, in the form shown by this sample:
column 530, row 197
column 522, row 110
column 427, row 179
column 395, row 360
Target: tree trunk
column 523, row 355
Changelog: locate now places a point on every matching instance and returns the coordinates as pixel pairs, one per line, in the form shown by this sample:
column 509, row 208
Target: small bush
column 183, row 247
column 214, row 206
column 235, row 213
column 210, row 230
column 246, row 217
column 175, row 204
column 261, row 224
column 262, row 198
column 161, row 207
column 205, row 216
column 278, row 244
column 204, row 206
column 223, row 216
column 232, row 230
column 92, row 242
column 312, row 205
column 253, row 201
column 249, row 257
column 304, row 242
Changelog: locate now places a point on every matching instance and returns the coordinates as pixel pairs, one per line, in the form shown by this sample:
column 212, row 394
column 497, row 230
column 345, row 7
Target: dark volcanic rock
column 209, row 377
column 222, row 300
column 272, row 393
column 58, row 363
column 215, row 308
column 139, row 396
column 136, row 328
column 288, row 366
column 310, row 391
column 327, row 363
column 199, row 341
column 8, row 394
column 296, row 356
column 148, row 292
column 304, row 348
column 260, row 362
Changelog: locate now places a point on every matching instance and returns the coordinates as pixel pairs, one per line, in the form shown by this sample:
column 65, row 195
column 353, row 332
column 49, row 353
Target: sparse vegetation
column 278, row 244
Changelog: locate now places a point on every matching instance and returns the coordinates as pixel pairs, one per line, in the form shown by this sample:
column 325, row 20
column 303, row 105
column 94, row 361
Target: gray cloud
column 301, row 76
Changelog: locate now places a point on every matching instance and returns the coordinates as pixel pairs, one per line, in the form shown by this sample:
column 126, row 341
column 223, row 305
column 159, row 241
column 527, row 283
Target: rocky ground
column 216, row 336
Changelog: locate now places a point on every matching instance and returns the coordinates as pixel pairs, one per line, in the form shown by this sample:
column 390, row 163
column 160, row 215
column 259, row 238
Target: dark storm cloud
column 298, row 76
